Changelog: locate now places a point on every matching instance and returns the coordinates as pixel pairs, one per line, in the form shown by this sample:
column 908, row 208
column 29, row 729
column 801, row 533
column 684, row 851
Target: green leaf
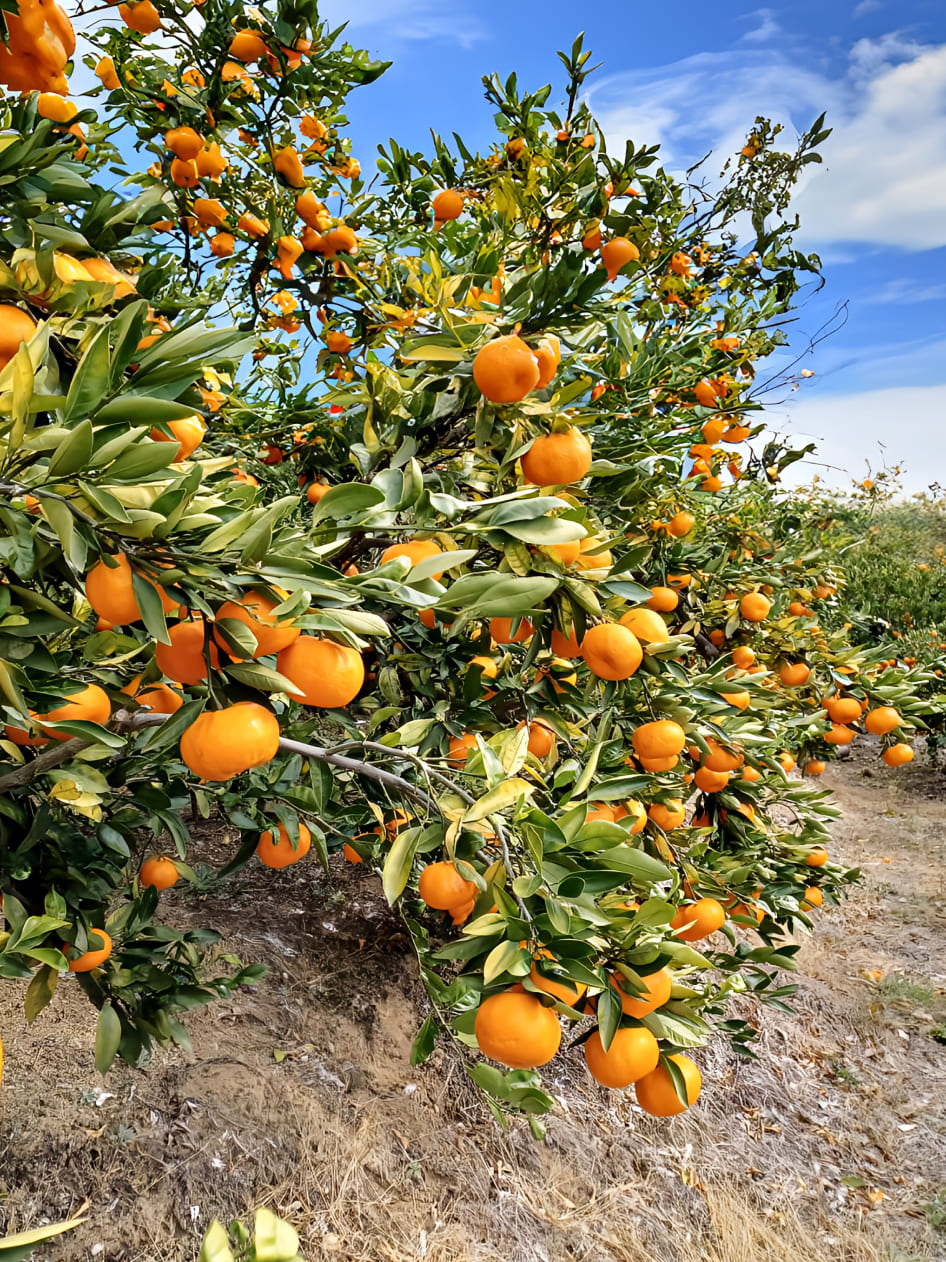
column 426, row 1040
column 505, row 957
column 397, row 864
column 216, row 1245
column 60, row 517
column 73, row 454
column 546, row 530
column 504, row 795
column 90, row 381
column 40, row 991
column 273, row 1239
column 496, row 595
column 15, row 1248
column 108, row 1034
column 256, row 675
column 348, row 498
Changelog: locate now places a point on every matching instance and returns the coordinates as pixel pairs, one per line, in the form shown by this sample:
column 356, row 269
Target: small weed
column 938, row 1034
column 935, row 1210
column 902, row 988
column 844, row 1073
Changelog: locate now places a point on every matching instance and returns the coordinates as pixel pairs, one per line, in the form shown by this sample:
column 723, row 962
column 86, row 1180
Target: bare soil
column 829, row 1147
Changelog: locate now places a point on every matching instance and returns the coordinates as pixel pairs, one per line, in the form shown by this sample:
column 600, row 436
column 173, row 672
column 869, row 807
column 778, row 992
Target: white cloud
column 872, row 427
column 768, row 27
column 884, row 175
column 406, row 19
column 902, row 291
column 865, row 7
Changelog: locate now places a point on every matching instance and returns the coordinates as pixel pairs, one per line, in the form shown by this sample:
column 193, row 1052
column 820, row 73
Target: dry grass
column 376, row 1162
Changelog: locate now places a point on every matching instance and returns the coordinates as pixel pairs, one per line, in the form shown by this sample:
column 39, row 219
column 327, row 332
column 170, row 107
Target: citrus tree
column 411, row 517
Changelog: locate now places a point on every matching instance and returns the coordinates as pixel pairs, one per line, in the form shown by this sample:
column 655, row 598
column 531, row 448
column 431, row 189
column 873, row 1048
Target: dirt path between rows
column 830, row 1147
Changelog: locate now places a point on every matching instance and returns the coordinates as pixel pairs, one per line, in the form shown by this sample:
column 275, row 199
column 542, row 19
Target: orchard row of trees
column 446, row 547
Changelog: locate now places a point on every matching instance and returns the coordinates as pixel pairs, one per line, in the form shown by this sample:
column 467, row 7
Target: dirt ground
column 830, row 1147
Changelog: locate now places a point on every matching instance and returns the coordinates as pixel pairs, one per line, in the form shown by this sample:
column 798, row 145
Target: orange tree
column 413, row 528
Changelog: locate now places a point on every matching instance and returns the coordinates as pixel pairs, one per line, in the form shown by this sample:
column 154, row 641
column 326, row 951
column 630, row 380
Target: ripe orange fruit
column 247, row 46
column 567, row 991
column 754, row 607
column 90, row 705
column 600, row 811
column 447, row 205
column 617, row 253
column 635, row 810
column 667, row 815
column 500, row 631
column 16, row 327
column 416, row 550
column 279, row 852
column 794, row 674
column 441, row 886
column 840, row 734
column 881, row 720
column 710, row 781
column 185, row 659
column 897, row 755
column 611, row 651
column 798, row 609
column 815, row 767
column 646, row 625
column 288, row 164
column 743, row 657
column 557, row 459
column 140, row 16
column 721, row 759
column 516, row 1029
column 661, row 739
column 460, row 747
column 110, row 591
column 337, row 342
column 252, row 225
column 679, row 581
column 157, row 697
column 843, row 709
column 256, row 612
column 220, row 744
column 548, row 355
column 681, row 524
column 712, row 429
column 506, row 370
column 95, row 956
column 329, row 675
column 813, row 898
column 489, row 669
column 741, row 700
column 817, row 857
column 188, row 433
column 564, row 646
column 698, row 920
column 663, row 599
column 210, row 212
column 183, row 142
column 160, row 872
column 655, row 1092
column 183, row 173
column 633, row 1054
column 654, row 993
column 567, row 553
column 542, row 739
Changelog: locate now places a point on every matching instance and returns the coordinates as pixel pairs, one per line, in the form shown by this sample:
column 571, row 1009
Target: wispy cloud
column 867, row 6
column 884, row 175
column 767, row 28
column 902, row 292
column 407, row 19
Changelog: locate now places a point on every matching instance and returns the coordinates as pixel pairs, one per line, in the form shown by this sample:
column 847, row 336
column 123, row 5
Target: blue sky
column 694, row 77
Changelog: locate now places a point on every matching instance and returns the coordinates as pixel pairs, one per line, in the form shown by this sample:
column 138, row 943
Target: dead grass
column 300, row 1095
